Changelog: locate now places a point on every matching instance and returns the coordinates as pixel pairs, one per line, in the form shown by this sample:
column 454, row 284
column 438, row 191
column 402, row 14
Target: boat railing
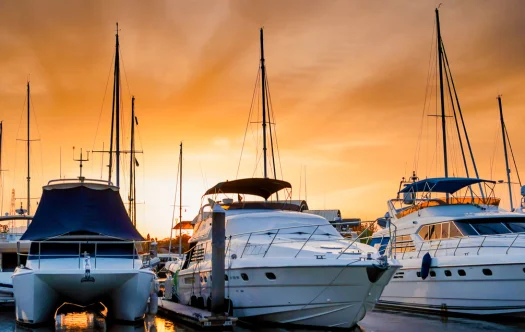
column 477, row 245
column 76, row 180
column 138, row 252
column 255, row 246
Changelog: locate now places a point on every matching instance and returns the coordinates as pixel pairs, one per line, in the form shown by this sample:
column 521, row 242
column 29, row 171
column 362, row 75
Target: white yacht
column 84, row 250
column 282, row 265
column 476, row 249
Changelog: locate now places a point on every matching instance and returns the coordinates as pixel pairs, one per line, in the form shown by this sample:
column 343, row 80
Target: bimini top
column 442, row 185
column 262, row 187
column 81, row 208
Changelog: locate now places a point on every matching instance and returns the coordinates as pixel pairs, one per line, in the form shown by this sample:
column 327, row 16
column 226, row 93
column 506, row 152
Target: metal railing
column 287, row 237
column 462, row 246
column 138, row 252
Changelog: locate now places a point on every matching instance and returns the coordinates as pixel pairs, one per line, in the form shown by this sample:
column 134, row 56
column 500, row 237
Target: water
column 376, row 321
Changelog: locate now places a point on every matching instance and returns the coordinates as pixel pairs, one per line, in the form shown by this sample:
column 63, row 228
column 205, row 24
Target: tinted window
column 516, row 227
column 466, row 228
column 448, row 273
column 462, row 273
column 490, row 228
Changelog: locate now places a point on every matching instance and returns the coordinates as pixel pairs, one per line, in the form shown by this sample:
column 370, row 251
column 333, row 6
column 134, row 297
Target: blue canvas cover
column 81, row 209
column 442, row 185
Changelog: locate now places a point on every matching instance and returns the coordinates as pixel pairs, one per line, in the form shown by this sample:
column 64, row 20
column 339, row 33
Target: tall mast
column 117, row 109
column 503, row 129
column 131, row 195
column 443, row 125
column 263, row 87
column 180, row 201
column 28, row 145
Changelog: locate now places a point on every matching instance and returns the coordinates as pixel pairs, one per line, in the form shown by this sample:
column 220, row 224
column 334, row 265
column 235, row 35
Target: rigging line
column 512, row 154
column 275, row 129
column 418, row 144
column 267, row 92
column 125, row 74
column 103, row 99
column 17, row 133
column 248, row 123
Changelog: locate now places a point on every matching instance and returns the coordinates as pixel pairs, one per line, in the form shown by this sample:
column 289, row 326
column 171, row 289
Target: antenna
column 80, row 160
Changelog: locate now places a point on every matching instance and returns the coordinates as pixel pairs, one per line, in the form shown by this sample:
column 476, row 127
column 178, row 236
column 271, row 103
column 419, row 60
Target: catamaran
column 84, row 247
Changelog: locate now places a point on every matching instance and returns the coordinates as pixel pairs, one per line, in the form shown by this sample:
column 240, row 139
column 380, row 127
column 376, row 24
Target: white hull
column 475, row 293
column 328, row 296
column 38, row 293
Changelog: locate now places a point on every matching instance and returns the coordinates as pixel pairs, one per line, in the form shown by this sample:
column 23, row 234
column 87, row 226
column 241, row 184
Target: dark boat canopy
column 442, row 185
column 262, row 187
column 81, row 208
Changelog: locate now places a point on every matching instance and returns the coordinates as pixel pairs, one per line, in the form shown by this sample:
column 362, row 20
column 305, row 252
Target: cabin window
column 445, row 230
column 435, row 231
column 454, row 230
column 433, row 274
column 419, row 273
column 466, row 228
column 516, row 227
column 244, row 276
column 487, row 272
column 270, row 276
column 423, row 232
column 225, row 277
column 448, row 273
column 485, row 228
column 462, row 273
column 404, row 243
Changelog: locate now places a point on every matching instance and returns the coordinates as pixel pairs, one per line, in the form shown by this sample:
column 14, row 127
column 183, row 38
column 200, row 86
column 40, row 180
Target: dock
column 194, row 316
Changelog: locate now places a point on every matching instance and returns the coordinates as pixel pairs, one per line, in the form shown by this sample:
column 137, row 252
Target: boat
column 281, row 265
column 462, row 254
column 84, row 248
column 13, row 224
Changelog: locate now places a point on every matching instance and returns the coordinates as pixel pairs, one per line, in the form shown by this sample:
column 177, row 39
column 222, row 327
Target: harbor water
column 375, row 321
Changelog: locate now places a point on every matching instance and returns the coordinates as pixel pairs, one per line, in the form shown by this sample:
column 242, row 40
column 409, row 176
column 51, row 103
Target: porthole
column 462, row 273
column 225, row 277
column 433, row 274
column 487, row 272
column 448, row 273
column 244, row 276
column 205, row 279
column 418, row 274
column 270, row 276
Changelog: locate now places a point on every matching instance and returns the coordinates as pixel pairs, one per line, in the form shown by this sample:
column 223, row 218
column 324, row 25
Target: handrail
column 109, row 183
column 305, row 242
column 444, row 244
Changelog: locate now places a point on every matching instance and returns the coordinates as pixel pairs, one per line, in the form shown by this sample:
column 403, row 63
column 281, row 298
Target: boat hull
column 39, row 293
column 492, row 288
column 327, row 296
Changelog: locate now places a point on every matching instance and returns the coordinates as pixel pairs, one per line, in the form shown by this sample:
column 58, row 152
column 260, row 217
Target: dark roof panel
column 262, row 187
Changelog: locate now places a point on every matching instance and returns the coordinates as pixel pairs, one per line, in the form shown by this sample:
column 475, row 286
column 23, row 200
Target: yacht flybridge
column 282, row 266
column 84, row 250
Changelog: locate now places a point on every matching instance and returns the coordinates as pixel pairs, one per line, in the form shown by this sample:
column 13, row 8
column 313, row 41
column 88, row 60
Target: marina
column 126, row 234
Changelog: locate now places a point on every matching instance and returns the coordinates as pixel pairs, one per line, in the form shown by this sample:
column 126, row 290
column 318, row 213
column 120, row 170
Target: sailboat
column 84, row 247
column 14, row 224
column 281, row 265
column 461, row 252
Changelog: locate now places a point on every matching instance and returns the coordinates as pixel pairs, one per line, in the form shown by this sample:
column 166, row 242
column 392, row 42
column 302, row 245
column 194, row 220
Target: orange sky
column 347, row 81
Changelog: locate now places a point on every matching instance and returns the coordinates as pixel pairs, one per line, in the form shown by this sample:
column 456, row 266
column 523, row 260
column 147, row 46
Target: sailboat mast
column 443, row 124
column 503, row 136
column 180, row 201
column 28, row 153
column 117, row 110
column 131, row 196
column 263, row 87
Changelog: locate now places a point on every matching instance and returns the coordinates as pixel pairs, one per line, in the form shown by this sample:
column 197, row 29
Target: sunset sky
column 347, row 81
